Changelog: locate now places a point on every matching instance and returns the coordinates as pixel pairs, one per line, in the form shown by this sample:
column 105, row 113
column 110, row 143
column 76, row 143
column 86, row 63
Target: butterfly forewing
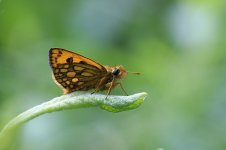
column 75, row 72
column 62, row 56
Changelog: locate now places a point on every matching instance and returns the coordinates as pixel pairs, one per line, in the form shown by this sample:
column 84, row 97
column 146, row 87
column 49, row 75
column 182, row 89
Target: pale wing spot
column 75, row 80
column 80, row 83
column 56, row 70
column 71, row 74
column 55, row 51
column 68, row 82
column 71, row 86
column 91, row 71
column 54, row 55
column 59, row 80
column 63, row 84
column 64, row 79
column 87, row 74
column 66, row 66
column 78, row 68
column 63, row 70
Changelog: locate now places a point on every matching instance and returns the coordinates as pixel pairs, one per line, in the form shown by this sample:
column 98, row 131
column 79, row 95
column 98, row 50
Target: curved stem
column 77, row 100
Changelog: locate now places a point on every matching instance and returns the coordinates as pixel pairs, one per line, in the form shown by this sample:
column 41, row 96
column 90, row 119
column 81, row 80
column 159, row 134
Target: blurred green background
column 179, row 46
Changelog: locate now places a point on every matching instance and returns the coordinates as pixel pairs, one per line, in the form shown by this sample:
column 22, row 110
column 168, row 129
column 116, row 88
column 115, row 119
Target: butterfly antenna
column 137, row 73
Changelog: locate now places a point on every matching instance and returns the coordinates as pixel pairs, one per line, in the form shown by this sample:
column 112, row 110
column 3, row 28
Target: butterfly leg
column 122, row 88
column 97, row 89
column 110, row 88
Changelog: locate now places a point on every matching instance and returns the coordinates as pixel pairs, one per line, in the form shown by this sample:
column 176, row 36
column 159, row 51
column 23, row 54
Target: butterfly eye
column 116, row 72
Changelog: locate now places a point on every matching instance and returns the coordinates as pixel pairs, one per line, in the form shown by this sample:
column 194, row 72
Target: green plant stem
column 77, row 100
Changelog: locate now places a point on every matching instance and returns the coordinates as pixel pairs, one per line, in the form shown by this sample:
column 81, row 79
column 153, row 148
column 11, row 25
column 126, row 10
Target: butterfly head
column 119, row 72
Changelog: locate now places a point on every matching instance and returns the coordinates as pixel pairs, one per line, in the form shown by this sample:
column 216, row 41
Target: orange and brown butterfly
column 74, row 72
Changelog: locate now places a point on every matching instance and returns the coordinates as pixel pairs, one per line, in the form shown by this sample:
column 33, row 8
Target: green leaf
column 78, row 100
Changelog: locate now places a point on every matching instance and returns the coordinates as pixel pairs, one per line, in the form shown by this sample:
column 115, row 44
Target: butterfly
column 74, row 72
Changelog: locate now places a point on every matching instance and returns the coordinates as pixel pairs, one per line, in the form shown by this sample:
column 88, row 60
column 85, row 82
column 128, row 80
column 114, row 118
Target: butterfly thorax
column 113, row 77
